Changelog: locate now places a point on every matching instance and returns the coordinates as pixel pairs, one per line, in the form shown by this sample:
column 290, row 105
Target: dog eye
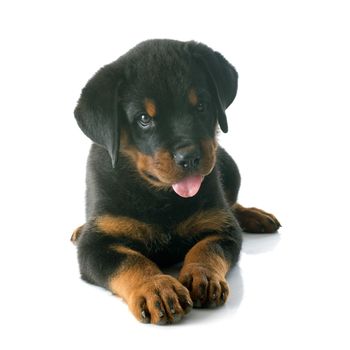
column 200, row 107
column 144, row 120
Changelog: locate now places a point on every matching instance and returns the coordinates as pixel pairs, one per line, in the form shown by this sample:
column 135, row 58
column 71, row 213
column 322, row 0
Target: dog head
column 160, row 105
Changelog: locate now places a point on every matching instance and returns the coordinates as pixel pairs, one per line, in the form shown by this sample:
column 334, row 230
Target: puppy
column 160, row 190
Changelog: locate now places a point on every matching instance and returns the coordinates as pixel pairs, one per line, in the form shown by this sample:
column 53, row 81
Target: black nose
column 188, row 157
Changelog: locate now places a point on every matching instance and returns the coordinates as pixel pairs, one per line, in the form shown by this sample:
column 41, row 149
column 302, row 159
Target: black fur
column 111, row 103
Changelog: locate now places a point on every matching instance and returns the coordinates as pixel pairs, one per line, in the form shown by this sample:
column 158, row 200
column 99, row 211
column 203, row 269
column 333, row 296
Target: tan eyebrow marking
column 192, row 97
column 150, row 107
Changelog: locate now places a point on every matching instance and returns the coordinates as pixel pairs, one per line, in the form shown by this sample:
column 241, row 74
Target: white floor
column 289, row 134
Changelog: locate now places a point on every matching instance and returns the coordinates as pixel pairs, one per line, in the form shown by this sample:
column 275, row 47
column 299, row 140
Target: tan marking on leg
column 76, row 234
column 204, row 271
column 151, row 296
column 202, row 253
column 215, row 220
column 134, row 271
column 255, row 220
column 122, row 225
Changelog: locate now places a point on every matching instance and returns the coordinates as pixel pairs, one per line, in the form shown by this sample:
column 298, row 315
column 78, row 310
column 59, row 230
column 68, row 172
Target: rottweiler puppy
column 160, row 190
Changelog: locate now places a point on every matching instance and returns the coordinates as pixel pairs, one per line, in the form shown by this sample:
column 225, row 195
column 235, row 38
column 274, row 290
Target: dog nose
column 188, row 157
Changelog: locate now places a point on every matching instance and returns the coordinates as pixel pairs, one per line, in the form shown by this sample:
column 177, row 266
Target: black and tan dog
column 159, row 188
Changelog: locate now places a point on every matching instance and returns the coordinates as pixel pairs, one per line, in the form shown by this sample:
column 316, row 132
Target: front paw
column 207, row 288
column 160, row 300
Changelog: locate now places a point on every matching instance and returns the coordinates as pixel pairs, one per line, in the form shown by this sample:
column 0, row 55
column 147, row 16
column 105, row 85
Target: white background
column 288, row 133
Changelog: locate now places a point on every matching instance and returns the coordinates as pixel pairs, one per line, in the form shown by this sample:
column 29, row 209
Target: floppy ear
column 222, row 77
column 97, row 111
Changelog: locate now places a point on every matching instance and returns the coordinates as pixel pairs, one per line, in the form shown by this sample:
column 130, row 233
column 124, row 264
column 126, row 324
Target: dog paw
column 161, row 300
column 207, row 288
column 255, row 220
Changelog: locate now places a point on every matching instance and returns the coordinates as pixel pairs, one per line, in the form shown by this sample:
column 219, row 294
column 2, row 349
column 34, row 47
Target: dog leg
column 151, row 295
column 205, row 268
column 76, row 233
column 255, row 220
column 111, row 261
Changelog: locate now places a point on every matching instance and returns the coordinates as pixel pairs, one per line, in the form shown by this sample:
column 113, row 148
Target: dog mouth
column 189, row 186
column 163, row 172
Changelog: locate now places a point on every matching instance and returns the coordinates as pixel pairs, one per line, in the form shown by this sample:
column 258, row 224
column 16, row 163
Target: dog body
column 159, row 188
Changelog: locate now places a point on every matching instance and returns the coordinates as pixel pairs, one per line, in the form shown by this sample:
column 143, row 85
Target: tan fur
column 204, row 271
column 135, row 271
column 142, row 285
column 162, row 167
column 215, row 220
column 202, row 254
column 209, row 148
column 150, row 107
column 255, row 220
column 122, row 225
column 192, row 97
column 76, row 234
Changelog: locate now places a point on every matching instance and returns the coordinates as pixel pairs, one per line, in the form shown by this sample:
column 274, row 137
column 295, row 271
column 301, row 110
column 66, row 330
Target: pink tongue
column 189, row 186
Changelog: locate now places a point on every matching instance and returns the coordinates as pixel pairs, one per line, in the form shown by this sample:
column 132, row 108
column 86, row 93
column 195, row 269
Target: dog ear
column 97, row 112
column 222, row 77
